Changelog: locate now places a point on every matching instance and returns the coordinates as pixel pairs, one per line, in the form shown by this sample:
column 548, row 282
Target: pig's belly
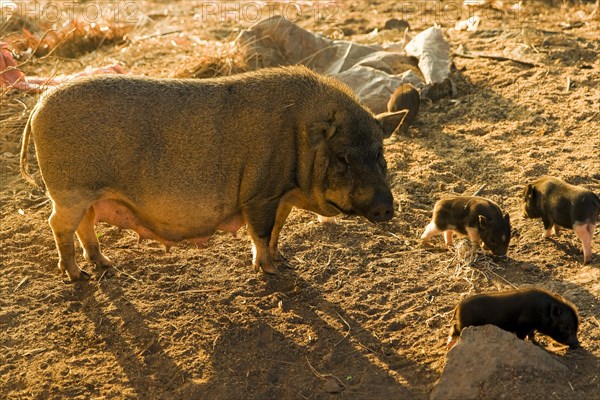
column 123, row 215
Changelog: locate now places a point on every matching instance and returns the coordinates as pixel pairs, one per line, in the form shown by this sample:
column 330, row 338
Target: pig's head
column 495, row 233
column 564, row 324
column 530, row 202
column 349, row 171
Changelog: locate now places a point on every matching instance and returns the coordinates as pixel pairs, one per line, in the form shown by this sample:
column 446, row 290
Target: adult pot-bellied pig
column 519, row 311
column 560, row 204
column 479, row 218
column 178, row 159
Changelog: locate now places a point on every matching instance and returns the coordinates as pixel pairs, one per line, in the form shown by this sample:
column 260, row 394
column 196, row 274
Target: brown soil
column 363, row 309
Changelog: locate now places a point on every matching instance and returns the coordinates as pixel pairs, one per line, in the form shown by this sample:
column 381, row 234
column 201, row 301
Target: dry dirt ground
column 364, row 309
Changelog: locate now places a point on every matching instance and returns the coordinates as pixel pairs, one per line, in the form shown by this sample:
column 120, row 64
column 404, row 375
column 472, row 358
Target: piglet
column 479, row 218
column 522, row 312
column 561, row 205
column 405, row 97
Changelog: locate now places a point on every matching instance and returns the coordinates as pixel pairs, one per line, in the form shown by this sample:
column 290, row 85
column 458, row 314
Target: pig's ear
column 320, row 131
column 483, row 222
column 529, row 192
column 507, row 218
column 390, row 122
column 555, row 311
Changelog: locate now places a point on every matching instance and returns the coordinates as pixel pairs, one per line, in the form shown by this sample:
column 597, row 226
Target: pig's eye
column 341, row 163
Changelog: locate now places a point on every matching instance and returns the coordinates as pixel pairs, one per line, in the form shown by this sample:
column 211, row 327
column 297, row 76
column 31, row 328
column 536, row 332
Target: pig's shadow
column 279, row 367
column 342, row 355
column 150, row 371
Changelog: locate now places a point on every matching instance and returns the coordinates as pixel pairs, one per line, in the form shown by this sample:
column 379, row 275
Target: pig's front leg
column 282, row 213
column 473, row 234
column 448, row 237
column 548, row 226
column 261, row 220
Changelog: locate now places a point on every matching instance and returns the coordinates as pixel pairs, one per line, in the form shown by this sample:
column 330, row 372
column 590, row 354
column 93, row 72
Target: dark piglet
column 479, row 218
column 522, row 312
column 405, row 97
column 561, row 205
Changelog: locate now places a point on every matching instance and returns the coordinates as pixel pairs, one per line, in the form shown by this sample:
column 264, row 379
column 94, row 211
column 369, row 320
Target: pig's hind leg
column 430, row 231
column 64, row 221
column 585, row 234
column 89, row 241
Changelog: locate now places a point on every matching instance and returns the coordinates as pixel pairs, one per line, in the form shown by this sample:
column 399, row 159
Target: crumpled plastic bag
column 370, row 71
column 433, row 52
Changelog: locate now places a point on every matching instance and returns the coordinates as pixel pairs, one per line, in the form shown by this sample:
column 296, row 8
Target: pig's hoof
column 266, row 268
column 278, row 257
column 99, row 260
column 81, row 277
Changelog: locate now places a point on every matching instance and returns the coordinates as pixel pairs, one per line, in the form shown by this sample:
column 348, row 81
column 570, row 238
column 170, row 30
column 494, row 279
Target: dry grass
column 469, row 261
column 227, row 61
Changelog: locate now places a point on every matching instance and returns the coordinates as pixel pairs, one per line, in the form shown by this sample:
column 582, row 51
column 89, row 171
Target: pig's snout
column 382, row 209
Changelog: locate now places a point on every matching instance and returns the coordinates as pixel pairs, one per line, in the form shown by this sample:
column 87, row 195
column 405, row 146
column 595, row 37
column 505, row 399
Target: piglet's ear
column 483, row 221
column 555, row 311
column 507, row 218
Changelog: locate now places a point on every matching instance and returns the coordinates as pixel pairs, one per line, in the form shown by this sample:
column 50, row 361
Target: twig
column 496, row 58
column 126, row 274
column 347, row 333
column 33, row 352
column 38, row 205
column 146, row 347
column 102, row 276
column 504, row 279
column 211, row 290
column 323, row 376
column 158, row 34
column 478, row 191
column 21, row 283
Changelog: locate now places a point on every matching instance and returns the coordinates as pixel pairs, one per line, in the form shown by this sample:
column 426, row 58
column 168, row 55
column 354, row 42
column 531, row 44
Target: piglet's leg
column 448, row 237
column 548, row 228
column 430, row 231
column 474, row 236
column 583, row 233
column 556, row 230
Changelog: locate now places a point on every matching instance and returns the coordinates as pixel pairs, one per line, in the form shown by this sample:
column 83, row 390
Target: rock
column 486, row 353
column 332, row 386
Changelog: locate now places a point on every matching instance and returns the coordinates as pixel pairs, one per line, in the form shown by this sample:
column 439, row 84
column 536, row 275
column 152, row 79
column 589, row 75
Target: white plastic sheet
column 370, row 71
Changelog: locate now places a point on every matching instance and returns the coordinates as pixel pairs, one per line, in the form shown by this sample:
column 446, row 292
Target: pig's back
column 178, row 134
